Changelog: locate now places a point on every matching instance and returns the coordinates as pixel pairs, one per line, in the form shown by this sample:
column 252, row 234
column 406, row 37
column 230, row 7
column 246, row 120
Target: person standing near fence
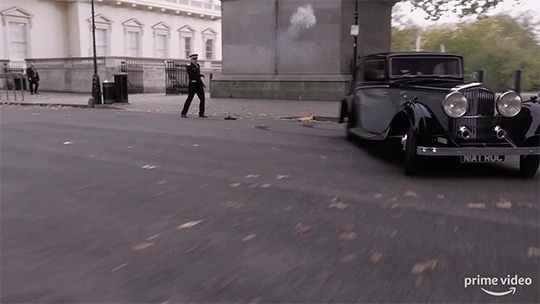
column 196, row 86
column 33, row 79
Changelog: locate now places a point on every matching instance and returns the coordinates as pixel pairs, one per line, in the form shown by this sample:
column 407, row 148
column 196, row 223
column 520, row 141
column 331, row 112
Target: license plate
column 482, row 158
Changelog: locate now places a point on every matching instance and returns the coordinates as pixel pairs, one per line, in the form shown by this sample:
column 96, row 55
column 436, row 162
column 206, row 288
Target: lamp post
column 355, row 45
column 96, row 87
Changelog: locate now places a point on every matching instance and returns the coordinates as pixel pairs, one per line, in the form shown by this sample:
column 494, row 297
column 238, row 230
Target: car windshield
column 426, row 66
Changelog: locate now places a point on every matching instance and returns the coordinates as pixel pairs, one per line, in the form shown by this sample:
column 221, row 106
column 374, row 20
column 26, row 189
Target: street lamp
column 96, row 88
column 355, row 32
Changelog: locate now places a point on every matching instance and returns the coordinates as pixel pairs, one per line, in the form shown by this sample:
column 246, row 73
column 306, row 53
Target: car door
column 375, row 107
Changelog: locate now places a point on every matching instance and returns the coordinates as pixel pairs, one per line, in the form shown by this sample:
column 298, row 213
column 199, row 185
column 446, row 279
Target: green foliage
column 436, row 8
column 499, row 45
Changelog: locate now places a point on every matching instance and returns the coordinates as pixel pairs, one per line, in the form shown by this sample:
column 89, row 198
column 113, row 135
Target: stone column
column 295, row 49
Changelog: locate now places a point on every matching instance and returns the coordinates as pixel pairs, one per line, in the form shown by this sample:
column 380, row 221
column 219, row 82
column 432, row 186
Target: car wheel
column 528, row 165
column 410, row 157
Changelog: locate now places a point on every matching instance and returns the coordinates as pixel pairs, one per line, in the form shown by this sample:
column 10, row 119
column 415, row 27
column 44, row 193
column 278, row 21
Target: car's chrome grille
column 481, row 102
column 482, row 128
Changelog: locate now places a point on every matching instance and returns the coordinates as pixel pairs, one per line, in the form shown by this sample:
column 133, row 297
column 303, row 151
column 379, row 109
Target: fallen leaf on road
column 119, row 267
column 323, row 156
column 410, row 194
column 195, row 145
column 504, row 204
column 161, row 182
column 142, row 246
column 323, row 276
column 257, row 300
column 302, row 228
column 148, row 167
column 394, row 206
column 376, row 257
column 68, row 143
column 422, row 267
column 189, row 224
column 534, row 252
column 287, row 208
column 265, row 185
column 338, row 205
column 249, row 237
column 378, row 195
column 130, row 147
column 477, row 205
column 306, row 118
column 278, row 177
column 234, row 185
column 155, row 236
column 252, row 175
column 348, row 258
column 348, row 236
column 440, row 196
column 234, row 205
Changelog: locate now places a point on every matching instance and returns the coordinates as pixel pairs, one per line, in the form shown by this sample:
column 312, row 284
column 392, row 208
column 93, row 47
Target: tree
column 498, row 44
column 436, row 8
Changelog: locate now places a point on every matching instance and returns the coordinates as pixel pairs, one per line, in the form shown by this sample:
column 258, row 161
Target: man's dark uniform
column 196, row 86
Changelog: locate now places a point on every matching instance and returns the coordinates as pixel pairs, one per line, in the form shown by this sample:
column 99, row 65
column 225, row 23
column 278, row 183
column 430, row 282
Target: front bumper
column 460, row 151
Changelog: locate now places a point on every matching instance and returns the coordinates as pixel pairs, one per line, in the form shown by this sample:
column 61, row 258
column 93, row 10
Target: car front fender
column 525, row 126
column 422, row 119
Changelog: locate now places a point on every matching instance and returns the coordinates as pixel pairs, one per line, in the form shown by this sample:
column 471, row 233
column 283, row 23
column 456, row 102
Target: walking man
column 196, row 86
column 33, row 79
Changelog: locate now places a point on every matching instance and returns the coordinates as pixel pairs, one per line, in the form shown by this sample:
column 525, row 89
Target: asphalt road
column 106, row 206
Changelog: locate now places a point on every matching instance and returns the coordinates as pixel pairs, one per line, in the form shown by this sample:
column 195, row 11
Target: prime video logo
column 509, row 281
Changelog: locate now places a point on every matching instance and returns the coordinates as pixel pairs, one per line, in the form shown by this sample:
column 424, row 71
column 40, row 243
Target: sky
column 507, row 6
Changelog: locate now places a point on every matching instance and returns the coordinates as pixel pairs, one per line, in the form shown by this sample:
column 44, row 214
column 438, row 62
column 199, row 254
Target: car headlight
column 509, row 104
column 455, row 105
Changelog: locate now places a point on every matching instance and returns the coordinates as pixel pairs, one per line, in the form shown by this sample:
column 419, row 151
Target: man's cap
column 193, row 56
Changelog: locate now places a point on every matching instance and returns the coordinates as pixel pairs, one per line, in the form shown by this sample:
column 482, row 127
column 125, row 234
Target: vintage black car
column 422, row 99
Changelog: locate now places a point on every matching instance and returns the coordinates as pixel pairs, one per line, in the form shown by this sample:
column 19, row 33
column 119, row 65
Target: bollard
column 481, row 75
column 517, row 82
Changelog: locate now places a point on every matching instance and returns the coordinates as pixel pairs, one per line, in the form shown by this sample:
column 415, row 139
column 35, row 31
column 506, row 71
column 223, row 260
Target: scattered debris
column 148, row 167
column 348, row 258
column 337, row 205
column 195, row 145
column 440, row 196
column 410, row 194
column 230, row 118
column 233, row 205
column 191, row 249
column 249, row 237
column 534, row 252
column 504, row 204
column 252, row 175
column 323, row 156
column 142, row 246
column 423, row 267
column 68, row 143
column 189, row 224
column 348, row 236
column 265, row 185
column 308, row 117
column 323, row 276
column 477, row 205
column 378, row 195
column 287, row 208
column 234, row 185
column 130, row 147
column 119, row 267
column 161, row 182
column 302, row 228
column 279, row 177
column 376, row 257
column 155, row 236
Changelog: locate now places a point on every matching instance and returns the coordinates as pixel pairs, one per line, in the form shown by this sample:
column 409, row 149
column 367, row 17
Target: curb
column 65, row 105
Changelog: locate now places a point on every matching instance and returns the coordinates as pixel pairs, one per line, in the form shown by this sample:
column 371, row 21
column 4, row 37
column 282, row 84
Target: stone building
column 296, row 49
column 57, row 36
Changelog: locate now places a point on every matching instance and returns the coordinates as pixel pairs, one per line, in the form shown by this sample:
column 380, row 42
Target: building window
column 133, row 31
column 187, row 47
column 209, row 38
column 18, row 40
column 133, row 42
column 187, row 35
column 209, row 48
column 103, row 29
column 101, row 42
column 161, row 45
column 161, row 40
column 17, row 23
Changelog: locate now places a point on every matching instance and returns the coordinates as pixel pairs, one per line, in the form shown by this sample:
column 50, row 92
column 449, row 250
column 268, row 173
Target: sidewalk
column 159, row 102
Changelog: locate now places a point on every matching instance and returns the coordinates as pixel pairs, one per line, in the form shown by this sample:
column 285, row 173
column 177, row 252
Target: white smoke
column 303, row 18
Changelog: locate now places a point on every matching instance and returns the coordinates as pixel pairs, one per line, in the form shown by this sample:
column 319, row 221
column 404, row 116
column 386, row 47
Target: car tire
column 410, row 157
column 528, row 165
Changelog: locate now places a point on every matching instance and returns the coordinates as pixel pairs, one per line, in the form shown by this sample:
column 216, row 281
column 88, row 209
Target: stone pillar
column 295, row 49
